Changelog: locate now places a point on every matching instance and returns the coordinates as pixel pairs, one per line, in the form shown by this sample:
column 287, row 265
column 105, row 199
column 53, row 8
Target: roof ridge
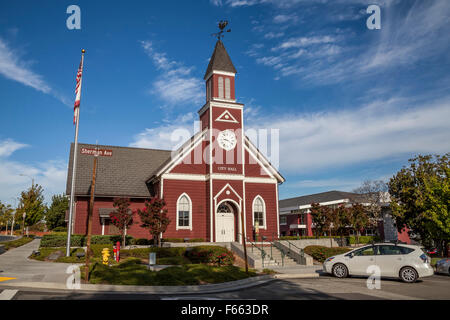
column 103, row 145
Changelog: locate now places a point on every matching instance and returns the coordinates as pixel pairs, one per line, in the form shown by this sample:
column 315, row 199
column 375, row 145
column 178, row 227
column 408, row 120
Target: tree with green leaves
column 358, row 218
column 154, row 217
column 340, row 220
column 420, row 199
column 320, row 218
column 5, row 215
column 31, row 202
column 56, row 214
column 122, row 217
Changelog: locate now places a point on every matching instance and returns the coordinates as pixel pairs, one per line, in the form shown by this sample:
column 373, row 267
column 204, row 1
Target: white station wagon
column 407, row 262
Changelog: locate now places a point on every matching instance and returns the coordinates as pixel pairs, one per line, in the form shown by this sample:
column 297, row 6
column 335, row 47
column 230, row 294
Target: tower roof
column 220, row 60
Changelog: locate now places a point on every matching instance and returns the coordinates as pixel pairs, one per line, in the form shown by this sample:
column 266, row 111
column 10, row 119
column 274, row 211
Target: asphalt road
column 323, row 288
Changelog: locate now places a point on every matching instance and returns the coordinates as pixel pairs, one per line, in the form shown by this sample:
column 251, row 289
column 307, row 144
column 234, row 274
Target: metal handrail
column 301, row 251
column 253, row 245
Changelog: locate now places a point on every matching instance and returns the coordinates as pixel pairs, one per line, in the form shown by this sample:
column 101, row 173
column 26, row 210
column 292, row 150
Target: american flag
column 76, row 108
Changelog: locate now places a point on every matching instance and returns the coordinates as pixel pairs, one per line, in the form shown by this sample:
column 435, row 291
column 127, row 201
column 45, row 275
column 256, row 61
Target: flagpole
column 74, row 169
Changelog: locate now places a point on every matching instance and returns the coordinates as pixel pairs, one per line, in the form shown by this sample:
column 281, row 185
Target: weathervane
column 222, row 25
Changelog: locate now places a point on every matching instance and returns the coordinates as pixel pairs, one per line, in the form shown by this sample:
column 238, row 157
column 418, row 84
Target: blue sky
column 350, row 103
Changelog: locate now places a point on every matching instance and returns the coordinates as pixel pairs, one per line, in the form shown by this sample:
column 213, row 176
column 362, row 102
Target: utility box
column 152, row 259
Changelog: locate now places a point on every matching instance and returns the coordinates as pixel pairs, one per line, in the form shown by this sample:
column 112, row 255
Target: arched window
column 184, row 212
column 259, row 212
column 220, row 87
column 227, row 88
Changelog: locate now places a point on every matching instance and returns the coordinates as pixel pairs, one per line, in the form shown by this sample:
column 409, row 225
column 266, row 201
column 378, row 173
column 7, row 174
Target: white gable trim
column 259, row 162
column 223, row 189
column 226, row 112
column 183, row 151
column 249, row 146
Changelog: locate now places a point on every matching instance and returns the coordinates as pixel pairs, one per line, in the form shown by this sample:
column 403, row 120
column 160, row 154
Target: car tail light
column 424, row 258
column 329, row 259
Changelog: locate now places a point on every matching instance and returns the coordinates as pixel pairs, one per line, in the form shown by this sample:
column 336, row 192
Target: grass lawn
column 16, row 243
column 133, row 272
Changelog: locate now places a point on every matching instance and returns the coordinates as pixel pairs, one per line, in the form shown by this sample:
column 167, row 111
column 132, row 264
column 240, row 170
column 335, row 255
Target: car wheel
column 409, row 275
column 340, row 270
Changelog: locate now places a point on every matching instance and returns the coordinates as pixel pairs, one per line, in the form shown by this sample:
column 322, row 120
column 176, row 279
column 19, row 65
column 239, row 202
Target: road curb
column 296, row 275
column 207, row 288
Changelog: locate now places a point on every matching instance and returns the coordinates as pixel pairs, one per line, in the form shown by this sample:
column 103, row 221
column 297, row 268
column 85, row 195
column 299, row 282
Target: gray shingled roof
column 220, row 60
column 123, row 174
column 320, row 197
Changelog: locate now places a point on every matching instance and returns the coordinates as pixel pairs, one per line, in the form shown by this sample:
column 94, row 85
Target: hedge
column 182, row 240
column 210, row 254
column 362, row 239
column 321, row 253
column 77, row 240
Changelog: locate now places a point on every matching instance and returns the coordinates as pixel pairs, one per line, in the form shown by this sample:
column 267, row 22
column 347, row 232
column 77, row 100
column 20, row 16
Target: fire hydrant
column 105, row 255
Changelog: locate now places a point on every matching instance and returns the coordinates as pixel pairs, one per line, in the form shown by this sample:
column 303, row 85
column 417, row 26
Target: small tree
column 32, row 204
column 122, row 217
column 320, row 218
column 6, row 215
column 341, row 220
column 56, row 214
column 373, row 193
column 154, row 217
column 358, row 218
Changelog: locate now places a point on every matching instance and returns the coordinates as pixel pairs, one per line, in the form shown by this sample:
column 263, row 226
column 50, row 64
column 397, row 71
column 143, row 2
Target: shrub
column 210, row 254
column 142, row 242
column 60, row 229
column 59, row 239
column 172, row 240
column 143, row 253
column 363, row 239
column 321, row 253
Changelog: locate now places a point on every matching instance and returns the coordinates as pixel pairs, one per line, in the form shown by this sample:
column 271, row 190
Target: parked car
column 443, row 266
column 432, row 251
column 407, row 262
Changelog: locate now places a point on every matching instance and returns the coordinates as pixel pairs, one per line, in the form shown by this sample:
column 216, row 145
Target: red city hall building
column 208, row 184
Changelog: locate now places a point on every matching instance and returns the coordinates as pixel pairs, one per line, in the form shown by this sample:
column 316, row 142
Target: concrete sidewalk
column 15, row 264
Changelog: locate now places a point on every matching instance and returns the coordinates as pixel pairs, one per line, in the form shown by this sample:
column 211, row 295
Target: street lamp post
column 14, row 215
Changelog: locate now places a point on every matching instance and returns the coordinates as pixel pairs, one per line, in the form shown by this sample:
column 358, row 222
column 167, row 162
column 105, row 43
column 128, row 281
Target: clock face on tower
column 227, row 140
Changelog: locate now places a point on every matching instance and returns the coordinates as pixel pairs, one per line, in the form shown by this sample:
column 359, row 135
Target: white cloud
column 7, row 147
column 175, row 85
column 273, row 35
column 284, row 18
column 408, row 35
column 51, row 175
column 13, row 68
column 379, row 130
column 168, row 136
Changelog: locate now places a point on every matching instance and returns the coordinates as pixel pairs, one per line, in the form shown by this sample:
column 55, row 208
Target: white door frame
column 235, row 216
